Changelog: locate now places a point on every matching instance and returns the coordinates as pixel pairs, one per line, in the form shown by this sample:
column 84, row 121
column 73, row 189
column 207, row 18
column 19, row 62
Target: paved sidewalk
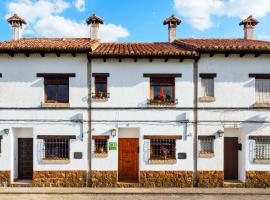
column 136, row 191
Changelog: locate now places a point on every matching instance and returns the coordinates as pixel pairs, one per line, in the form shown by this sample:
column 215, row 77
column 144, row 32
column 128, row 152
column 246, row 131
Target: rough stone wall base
column 166, row 179
column 4, row 178
column 103, row 179
column 257, row 179
column 209, row 179
column 59, row 178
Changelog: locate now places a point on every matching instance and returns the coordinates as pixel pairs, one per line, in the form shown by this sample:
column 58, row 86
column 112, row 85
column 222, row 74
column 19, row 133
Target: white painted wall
column 20, row 88
column 128, row 88
column 233, row 89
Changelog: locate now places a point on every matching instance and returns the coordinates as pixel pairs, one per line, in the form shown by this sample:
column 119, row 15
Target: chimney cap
column 16, row 19
column 94, row 20
column 249, row 21
column 172, row 20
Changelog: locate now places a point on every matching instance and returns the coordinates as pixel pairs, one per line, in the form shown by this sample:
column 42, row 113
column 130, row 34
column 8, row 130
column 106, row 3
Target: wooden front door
column 128, row 159
column 25, row 158
column 230, row 158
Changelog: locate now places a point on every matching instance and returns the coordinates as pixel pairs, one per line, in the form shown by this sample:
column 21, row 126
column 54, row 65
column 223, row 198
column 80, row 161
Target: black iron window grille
column 56, row 148
column 206, row 145
column 162, row 149
column 262, row 148
column 101, row 146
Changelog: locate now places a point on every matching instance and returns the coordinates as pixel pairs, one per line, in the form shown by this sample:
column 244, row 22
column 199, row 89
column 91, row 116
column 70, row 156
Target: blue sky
column 136, row 20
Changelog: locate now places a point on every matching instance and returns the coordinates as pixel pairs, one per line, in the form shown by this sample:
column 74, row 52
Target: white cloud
column 263, row 37
column 33, row 10
column 44, row 19
column 199, row 13
column 80, row 5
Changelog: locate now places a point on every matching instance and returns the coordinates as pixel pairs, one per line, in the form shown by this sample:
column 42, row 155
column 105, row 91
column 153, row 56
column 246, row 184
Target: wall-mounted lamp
column 113, row 132
column 6, row 131
column 220, row 133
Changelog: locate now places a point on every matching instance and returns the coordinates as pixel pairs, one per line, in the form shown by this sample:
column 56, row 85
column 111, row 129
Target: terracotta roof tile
column 141, row 50
column 48, row 45
column 224, row 45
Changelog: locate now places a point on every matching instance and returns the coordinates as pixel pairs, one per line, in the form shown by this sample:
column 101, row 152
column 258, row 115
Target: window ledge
column 262, row 161
column 206, row 155
column 168, row 161
column 66, row 161
column 260, row 105
column 55, row 105
column 100, row 155
column 99, row 99
column 207, row 99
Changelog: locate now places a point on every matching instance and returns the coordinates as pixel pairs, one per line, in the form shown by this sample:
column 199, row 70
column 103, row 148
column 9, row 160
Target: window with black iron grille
column 101, row 146
column 262, row 148
column 56, row 148
column 206, row 145
column 162, row 149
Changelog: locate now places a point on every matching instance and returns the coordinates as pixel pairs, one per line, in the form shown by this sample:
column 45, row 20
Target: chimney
column 16, row 23
column 172, row 23
column 95, row 21
column 249, row 24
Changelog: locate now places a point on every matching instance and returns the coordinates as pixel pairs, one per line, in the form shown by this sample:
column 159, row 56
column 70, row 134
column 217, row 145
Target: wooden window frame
column 55, row 81
column 162, row 82
column 100, row 78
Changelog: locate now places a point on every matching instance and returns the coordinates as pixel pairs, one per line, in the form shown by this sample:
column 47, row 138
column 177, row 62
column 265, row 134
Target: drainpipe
column 195, row 124
column 89, row 143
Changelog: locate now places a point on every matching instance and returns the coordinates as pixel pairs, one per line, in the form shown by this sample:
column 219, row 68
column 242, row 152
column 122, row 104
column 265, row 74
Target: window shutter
column 207, row 87
column 262, row 88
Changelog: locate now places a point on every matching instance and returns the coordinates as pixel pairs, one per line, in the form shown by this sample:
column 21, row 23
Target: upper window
column 262, row 90
column 101, row 86
column 207, row 87
column 56, row 90
column 162, row 89
column 261, row 148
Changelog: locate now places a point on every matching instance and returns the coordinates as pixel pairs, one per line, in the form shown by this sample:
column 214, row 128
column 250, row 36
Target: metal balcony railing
column 100, row 95
column 162, row 102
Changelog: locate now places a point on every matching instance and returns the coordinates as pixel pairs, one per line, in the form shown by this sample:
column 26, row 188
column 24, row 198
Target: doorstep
column 233, row 184
column 22, row 183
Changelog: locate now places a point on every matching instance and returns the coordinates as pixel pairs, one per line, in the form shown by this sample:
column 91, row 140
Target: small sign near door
column 112, row 146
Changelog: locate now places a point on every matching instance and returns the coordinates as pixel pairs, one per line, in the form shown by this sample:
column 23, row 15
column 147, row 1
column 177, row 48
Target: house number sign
column 112, row 145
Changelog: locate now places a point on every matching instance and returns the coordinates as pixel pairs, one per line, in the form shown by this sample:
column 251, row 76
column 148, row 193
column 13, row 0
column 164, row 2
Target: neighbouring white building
column 80, row 112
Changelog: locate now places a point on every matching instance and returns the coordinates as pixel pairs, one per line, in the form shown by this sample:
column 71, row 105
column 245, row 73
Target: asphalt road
column 130, row 197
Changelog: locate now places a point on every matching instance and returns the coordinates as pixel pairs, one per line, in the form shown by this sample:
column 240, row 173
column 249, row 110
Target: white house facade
column 79, row 112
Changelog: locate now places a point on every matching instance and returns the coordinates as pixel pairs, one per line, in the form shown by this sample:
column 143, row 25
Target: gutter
column 89, row 114
column 195, row 124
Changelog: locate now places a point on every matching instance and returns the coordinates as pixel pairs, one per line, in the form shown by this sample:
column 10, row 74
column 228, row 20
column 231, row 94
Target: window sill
column 207, row 99
column 66, row 161
column 100, row 99
column 262, row 105
column 55, row 105
column 168, row 161
column 100, row 155
column 262, row 161
column 206, row 155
